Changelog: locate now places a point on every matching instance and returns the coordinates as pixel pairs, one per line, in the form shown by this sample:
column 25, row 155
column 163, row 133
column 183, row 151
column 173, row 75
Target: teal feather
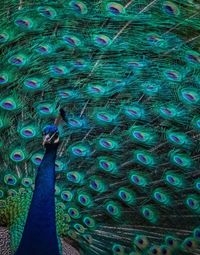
column 127, row 75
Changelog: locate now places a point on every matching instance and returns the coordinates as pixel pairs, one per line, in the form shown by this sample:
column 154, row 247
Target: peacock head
column 50, row 134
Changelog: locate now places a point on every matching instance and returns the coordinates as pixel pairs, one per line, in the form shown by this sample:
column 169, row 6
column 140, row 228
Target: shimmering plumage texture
column 127, row 74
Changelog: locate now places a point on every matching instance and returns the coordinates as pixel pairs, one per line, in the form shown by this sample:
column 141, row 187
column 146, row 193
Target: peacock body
column 127, row 74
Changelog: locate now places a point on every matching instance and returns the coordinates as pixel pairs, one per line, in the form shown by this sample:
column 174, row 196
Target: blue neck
column 39, row 236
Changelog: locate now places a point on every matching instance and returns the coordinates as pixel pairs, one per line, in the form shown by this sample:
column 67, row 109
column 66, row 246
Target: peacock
column 125, row 75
